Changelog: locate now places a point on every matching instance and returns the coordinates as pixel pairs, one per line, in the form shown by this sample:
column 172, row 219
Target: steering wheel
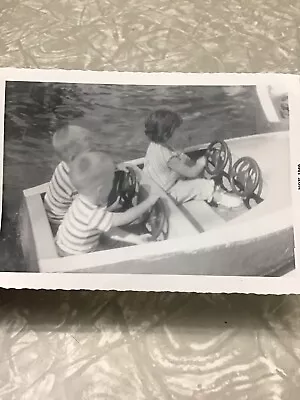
column 217, row 156
column 156, row 221
column 245, row 177
column 129, row 188
column 125, row 188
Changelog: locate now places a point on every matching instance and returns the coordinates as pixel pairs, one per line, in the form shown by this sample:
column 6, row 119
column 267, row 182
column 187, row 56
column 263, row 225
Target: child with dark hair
column 169, row 169
column 161, row 124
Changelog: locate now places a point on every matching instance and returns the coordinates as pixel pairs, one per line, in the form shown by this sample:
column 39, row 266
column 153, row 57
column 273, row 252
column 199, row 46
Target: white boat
column 274, row 102
column 194, row 238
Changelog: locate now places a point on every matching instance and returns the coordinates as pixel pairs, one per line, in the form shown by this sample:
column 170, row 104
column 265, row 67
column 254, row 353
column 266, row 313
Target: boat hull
column 233, row 253
column 270, row 255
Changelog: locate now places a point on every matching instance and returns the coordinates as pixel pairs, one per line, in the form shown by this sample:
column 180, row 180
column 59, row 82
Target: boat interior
column 241, row 166
column 240, row 176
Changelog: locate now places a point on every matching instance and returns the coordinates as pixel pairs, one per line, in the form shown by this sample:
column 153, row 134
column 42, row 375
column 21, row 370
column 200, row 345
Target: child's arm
column 125, row 218
column 113, row 207
column 184, row 170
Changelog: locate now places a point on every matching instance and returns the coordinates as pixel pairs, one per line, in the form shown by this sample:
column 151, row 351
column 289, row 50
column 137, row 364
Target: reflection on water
column 117, row 113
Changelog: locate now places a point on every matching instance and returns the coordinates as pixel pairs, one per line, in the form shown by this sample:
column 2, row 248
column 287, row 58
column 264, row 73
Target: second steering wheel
column 217, row 156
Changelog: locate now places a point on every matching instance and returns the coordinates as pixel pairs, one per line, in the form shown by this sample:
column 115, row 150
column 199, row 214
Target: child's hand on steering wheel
column 184, row 157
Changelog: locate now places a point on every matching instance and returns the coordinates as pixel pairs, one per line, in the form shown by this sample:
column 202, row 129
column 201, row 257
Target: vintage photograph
column 147, row 179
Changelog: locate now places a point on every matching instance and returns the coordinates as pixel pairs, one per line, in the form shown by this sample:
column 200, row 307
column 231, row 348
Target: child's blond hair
column 90, row 170
column 71, row 140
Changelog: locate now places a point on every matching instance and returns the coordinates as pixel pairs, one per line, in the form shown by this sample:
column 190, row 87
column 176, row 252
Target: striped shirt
column 156, row 165
column 60, row 193
column 82, row 226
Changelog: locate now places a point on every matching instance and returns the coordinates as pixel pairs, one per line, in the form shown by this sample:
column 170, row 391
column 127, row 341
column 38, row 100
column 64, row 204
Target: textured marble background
column 149, row 346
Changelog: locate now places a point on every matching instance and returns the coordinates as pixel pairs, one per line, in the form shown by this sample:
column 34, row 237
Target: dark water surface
column 117, row 113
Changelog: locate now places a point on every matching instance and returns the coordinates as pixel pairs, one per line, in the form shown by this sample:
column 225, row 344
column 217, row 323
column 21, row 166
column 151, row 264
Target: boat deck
column 276, row 184
column 197, row 217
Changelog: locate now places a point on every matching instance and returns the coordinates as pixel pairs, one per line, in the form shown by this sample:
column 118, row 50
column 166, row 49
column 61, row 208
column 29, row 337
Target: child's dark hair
column 160, row 125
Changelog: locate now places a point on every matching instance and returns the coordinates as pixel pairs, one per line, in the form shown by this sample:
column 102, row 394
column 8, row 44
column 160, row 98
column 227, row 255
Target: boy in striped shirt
column 92, row 174
column 68, row 142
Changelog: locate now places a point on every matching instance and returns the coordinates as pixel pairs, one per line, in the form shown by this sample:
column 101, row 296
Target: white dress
column 181, row 189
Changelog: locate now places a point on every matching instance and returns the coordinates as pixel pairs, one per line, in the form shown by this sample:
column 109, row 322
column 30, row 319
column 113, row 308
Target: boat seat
column 202, row 214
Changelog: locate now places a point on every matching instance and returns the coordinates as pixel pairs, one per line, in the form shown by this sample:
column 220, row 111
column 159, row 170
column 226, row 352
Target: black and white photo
column 136, row 180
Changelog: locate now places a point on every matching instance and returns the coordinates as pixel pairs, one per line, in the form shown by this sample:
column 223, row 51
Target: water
column 117, row 114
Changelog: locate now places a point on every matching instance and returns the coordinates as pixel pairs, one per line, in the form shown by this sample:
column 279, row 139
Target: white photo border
column 289, row 284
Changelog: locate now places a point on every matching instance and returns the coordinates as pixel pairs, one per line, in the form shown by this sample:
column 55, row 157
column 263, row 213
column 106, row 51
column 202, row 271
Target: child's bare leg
column 203, row 190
